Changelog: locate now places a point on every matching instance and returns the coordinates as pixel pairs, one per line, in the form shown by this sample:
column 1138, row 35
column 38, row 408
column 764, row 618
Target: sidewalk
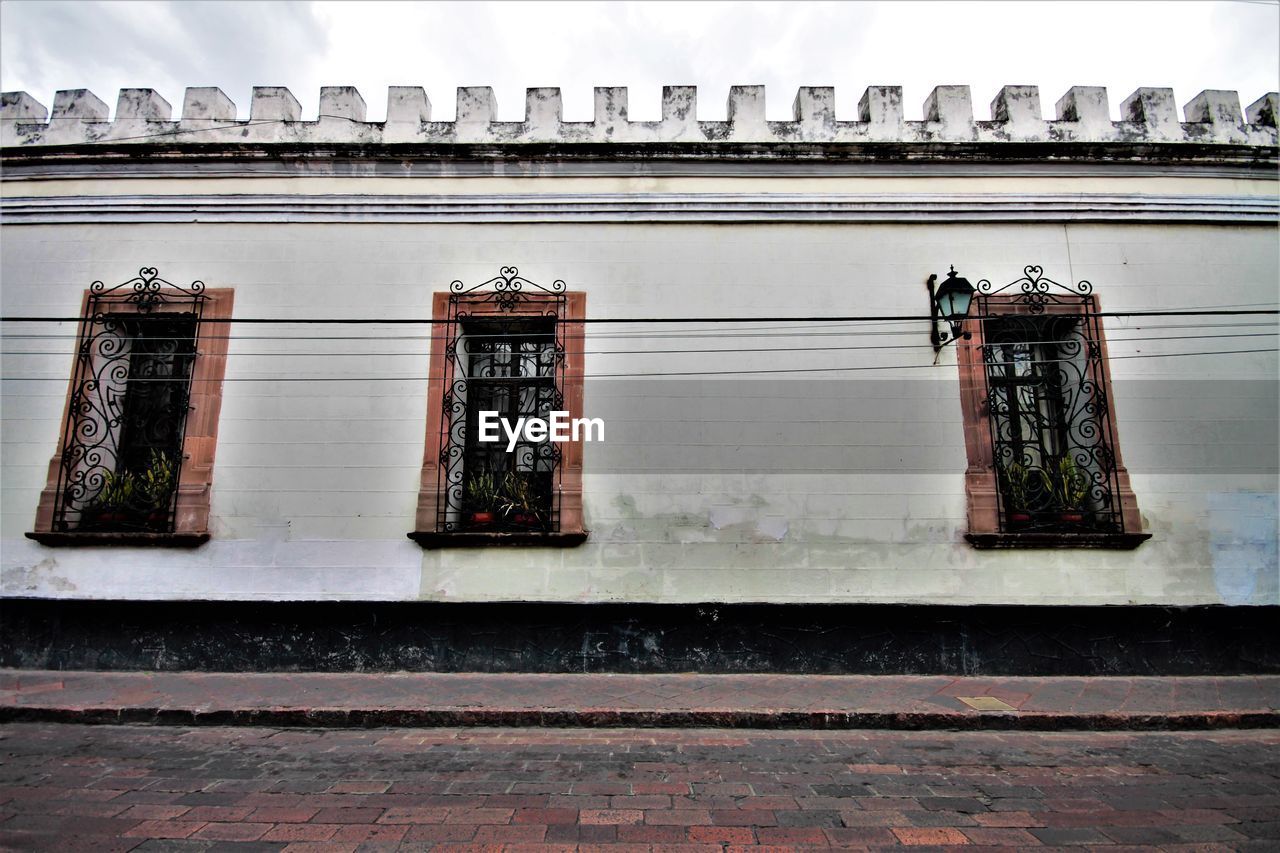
column 601, row 700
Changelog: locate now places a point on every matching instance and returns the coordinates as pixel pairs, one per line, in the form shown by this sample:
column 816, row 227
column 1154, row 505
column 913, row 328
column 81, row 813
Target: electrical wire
column 772, row 330
column 692, row 373
column 909, row 366
column 1111, row 339
column 648, row 335
column 769, row 331
column 856, row 318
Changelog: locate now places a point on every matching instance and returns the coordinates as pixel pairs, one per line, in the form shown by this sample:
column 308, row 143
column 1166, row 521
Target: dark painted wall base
column 532, row 637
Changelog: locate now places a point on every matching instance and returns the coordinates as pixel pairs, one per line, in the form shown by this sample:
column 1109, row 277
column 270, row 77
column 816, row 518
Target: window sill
column 478, row 539
column 1113, row 541
column 172, row 540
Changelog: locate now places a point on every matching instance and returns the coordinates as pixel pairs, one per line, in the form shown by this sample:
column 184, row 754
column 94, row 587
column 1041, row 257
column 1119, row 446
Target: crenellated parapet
column 1083, row 114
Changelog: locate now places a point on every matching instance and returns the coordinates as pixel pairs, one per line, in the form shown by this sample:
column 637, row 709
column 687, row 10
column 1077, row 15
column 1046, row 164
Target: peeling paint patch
column 721, row 517
column 37, row 578
column 773, row 527
column 1243, row 547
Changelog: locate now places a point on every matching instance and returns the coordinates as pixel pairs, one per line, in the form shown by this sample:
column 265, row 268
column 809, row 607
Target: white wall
column 315, row 483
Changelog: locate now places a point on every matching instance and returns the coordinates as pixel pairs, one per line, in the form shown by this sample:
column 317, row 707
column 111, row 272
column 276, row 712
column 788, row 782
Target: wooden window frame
column 199, row 445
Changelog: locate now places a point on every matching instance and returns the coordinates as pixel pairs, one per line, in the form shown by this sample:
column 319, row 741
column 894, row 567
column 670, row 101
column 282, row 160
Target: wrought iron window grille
column 1052, row 436
column 121, row 461
column 504, row 352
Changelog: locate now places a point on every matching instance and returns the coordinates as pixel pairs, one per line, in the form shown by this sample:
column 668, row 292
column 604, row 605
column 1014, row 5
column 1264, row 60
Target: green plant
column 118, row 490
column 157, row 482
column 1070, row 484
column 1021, row 484
column 518, row 495
column 482, row 492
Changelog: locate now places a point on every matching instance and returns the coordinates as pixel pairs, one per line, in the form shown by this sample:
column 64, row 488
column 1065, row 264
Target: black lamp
column 951, row 303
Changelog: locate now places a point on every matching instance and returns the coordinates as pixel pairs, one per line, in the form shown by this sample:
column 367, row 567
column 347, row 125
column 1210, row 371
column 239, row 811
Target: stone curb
column 596, row 718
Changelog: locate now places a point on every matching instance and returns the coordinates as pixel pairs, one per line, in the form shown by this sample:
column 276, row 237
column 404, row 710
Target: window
column 135, row 456
column 1044, row 462
column 512, row 348
column 508, row 368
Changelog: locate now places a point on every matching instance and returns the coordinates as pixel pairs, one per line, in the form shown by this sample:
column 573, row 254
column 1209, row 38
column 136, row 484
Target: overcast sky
column 104, row 46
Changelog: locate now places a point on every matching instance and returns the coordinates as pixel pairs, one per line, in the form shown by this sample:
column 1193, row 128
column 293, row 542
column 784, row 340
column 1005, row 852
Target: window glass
column 509, row 372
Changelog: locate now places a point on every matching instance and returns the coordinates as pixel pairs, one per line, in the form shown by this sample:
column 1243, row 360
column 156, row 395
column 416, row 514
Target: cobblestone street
column 105, row 788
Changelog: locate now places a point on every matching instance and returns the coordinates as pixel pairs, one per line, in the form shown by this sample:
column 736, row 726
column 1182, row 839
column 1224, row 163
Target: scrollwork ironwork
column 1048, row 411
column 1036, row 291
column 504, row 351
column 121, row 462
column 147, row 291
column 506, row 290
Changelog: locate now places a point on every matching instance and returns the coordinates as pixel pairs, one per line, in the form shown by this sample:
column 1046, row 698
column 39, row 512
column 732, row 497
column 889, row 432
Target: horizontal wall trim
column 647, row 207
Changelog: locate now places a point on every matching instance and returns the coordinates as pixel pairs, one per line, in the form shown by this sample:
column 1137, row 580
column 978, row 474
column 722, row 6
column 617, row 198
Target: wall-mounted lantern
column 951, row 303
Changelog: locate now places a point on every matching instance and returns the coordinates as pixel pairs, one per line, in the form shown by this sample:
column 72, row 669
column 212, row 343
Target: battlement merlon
column 1149, row 115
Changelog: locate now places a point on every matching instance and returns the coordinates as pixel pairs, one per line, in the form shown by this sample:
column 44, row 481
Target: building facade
column 249, row 361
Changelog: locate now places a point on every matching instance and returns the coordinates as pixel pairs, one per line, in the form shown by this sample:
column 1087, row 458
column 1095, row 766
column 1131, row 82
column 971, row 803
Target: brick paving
column 147, row 788
column 683, row 700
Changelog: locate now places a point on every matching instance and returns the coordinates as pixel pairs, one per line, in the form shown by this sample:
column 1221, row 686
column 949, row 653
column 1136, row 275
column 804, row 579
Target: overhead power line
column 682, row 335
column 854, row 318
column 611, row 336
column 1112, row 340
column 688, row 373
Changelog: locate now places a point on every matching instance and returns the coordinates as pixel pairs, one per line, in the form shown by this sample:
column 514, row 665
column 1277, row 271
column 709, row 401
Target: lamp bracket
column 956, row 331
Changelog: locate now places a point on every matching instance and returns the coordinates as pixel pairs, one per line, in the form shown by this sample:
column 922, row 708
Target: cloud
column 510, row 46
column 105, row 46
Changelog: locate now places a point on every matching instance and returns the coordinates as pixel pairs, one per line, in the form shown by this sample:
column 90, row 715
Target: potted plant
column 520, row 503
column 156, row 485
column 1020, row 482
column 482, row 498
column 115, row 499
column 1070, row 486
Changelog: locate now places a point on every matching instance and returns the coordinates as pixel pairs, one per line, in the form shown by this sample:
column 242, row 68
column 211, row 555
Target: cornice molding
column 646, row 207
